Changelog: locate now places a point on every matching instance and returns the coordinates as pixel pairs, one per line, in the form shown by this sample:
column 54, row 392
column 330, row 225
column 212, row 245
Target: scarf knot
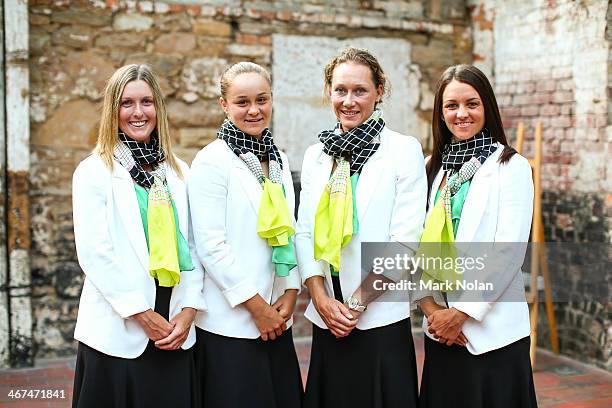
column 357, row 145
column 455, row 154
column 133, row 154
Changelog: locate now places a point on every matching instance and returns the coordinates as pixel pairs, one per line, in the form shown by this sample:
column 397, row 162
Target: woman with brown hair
column 480, row 191
column 362, row 182
column 141, row 289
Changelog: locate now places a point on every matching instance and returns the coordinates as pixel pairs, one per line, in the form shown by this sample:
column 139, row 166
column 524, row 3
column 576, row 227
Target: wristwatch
column 354, row 304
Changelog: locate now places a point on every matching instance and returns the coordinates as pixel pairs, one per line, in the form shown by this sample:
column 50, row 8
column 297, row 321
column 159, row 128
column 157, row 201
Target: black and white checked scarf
column 253, row 151
column 456, row 154
column 357, row 145
column 133, row 154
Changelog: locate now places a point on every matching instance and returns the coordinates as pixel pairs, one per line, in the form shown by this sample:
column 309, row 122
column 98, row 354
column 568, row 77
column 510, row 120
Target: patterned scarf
column 253, row 151
column 336, row 219
column 164, row 262
column 460, row 160
column 357, row 145
column 456, row 154
column 133, row 154
column 274, row 221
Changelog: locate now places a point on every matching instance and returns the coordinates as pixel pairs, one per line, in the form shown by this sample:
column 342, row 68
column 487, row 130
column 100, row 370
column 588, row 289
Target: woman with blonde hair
column 241, row 199
column 141, row 289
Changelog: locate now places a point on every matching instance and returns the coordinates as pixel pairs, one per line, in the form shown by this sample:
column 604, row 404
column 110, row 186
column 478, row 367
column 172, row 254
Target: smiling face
column 462, row 110
column 137, row 116
column 248, row 103
column 353, row 94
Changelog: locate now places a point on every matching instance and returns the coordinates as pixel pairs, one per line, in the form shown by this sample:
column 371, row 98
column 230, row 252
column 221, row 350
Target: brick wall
column 76, row 45
column 549, row 61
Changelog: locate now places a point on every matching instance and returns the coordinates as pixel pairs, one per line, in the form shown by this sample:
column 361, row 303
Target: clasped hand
column 271, row 319
column 445, row 325
column 167, row 335
column 337, row 317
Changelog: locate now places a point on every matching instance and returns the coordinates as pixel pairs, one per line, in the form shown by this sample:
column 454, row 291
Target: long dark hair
column 474, row 77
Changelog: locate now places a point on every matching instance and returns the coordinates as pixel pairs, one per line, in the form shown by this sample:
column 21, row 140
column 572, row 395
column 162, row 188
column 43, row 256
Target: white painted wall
column 4, row 317
column 18, row 158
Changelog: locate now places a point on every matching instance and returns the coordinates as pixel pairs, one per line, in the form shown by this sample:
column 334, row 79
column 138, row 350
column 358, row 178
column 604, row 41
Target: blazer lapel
column 127, row 205
column 247, row 180
column 321, row 175
column 368, row 180
column 435, row 186
column 179, row 196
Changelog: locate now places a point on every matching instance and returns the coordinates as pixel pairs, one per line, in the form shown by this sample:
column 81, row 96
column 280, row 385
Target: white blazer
column 224, row 197
column 112, row 251
column 498, row 208
column 391, row 197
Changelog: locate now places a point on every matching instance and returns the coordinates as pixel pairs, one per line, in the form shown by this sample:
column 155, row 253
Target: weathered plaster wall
column 301, row 111
column 76, row 45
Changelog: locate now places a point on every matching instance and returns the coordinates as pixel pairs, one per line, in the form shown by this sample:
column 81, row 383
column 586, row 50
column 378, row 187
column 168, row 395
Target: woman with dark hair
column 142, row 290
column 362, row 183
column 480, row 191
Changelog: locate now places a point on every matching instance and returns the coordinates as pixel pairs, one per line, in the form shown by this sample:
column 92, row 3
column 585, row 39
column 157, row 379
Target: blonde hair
column 109, row 122
column 243, row 67
column 358, row 56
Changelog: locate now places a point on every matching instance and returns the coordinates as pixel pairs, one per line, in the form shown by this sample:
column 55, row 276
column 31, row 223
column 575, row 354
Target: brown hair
column 474, row 77
column 109, row 122
column 358, row 56
column 243, row 67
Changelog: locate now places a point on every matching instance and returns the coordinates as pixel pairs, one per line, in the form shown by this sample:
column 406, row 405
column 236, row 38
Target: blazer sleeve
column 304, row 239
column 191, row 287
column 511, row 236
column 94, row 246
column 207, row 189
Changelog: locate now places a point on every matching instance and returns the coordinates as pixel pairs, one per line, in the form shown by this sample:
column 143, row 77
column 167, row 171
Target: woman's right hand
column 336, row 315
column 154, row 325
column 268, row 320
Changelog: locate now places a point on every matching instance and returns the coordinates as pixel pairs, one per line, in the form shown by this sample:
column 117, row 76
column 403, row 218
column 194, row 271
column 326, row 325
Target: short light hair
column 243, row 67
column 108, row 135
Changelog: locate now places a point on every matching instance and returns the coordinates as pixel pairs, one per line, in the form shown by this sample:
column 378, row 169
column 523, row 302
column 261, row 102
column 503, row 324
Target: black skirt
column 373, row 368
column 235, row 372
column 157, row 378
column 452, row 377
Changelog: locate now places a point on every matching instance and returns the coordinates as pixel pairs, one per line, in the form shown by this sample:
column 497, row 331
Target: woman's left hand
column 446, row 324
column 286, row 303
column 182, row 323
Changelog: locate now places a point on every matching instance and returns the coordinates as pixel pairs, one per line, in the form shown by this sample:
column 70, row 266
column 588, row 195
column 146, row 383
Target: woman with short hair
column 362, row 182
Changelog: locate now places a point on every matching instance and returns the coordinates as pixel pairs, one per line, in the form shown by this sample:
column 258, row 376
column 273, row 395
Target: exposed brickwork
column 549, row 62
column 76, row 45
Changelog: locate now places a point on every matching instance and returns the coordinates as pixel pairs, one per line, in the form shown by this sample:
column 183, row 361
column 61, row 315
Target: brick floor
column 560, row 382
